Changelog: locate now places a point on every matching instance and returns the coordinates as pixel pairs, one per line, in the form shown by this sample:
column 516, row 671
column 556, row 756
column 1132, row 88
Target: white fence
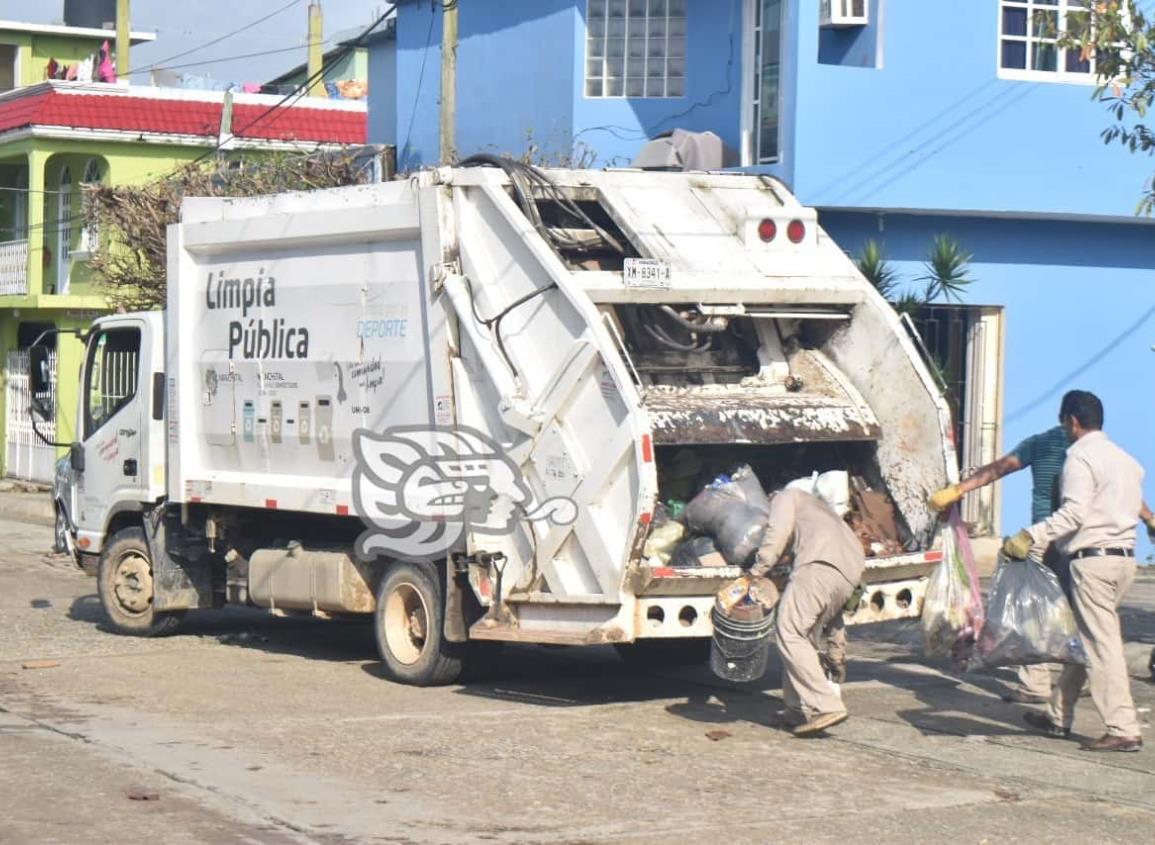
column 26, row 455
column 14, row 268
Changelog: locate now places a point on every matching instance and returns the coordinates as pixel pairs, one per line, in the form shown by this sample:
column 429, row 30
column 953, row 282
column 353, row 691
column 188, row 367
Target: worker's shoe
column 820, row 722
column 1019, row 697
column 1044, row 725
column 1107, row 742
column 788, row 719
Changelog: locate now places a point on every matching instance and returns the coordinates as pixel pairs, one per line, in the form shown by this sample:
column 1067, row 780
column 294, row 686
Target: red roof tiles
column 128, row 113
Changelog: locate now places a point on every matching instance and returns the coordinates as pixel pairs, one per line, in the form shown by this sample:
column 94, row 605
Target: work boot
column 1107, row 742
column 1018, row 696
column 820, row 722
column 1044, row 725
column 788, row 719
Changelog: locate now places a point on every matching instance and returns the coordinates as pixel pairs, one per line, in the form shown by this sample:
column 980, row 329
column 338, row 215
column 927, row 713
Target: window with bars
column 89, row 234
column 1029, row 36
column 635, row 48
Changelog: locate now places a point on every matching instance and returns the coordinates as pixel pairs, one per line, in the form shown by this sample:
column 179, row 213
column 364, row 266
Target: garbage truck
column 462, row 402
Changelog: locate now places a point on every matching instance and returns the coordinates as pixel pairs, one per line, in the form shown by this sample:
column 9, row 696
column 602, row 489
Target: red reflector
column 929, row 556
column 483, row 587
column 662, row 572
column 647, row 449
column 342, row 510
column 271, row 503
column 796, row 231
column 84, row 542
column 767, row 229
column 645, row 518
column 194, row 498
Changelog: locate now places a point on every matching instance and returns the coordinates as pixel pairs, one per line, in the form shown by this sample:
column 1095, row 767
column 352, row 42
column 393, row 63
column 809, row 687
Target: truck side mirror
column 40, row 380
column 76, row 457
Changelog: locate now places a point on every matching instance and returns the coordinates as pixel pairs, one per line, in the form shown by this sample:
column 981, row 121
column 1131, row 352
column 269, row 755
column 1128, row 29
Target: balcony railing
column 13, row 268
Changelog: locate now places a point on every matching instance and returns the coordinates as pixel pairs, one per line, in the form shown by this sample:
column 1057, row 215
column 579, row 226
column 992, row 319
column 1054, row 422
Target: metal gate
column 25, row 455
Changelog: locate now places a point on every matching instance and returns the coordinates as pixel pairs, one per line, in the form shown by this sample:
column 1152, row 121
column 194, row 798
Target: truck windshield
column 110, row 375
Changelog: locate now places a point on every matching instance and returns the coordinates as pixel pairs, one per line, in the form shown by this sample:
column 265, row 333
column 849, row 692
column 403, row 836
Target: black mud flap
column 181, row 580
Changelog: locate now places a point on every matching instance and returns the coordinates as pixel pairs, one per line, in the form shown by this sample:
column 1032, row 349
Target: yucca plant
column 877, row 269
column 947, row 269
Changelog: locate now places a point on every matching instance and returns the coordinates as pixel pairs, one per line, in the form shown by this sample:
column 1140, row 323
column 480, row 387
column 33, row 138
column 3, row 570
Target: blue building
column 898, row 120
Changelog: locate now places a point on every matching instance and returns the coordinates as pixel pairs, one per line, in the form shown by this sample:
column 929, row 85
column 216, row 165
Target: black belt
column 1115, row 552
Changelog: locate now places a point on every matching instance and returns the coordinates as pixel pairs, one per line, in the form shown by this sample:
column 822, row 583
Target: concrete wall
column 1079, row 314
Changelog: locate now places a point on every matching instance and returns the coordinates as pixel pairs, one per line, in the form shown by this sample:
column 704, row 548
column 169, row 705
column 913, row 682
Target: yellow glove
column 1019, row 546
column 942, row 499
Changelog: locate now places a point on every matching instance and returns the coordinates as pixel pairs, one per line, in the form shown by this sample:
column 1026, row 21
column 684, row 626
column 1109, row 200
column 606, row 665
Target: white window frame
column 1061, row 8
column 63, row 230
column 672, row 85
column 752, row 86
column 89, row 234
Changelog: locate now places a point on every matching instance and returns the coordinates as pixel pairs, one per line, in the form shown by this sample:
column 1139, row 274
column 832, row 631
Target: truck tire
column 664, row 654
column 408, row 625
column 124, row 582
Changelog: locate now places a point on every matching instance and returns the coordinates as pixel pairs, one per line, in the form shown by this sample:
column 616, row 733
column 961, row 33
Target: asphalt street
column 249, row 728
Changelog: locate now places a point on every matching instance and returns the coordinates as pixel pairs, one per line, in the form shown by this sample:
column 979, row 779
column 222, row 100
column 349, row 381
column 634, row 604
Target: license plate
column 646, row 273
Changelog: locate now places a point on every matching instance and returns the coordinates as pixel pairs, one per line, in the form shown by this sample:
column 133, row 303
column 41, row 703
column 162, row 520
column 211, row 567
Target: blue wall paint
column 617, row 127
column 383, row 91
column 935, row 128
column 1079, row 314
column 418, row 84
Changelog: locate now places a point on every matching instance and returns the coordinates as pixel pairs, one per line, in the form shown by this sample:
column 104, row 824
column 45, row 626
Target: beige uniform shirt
column 816, row 534
column 1102, row 492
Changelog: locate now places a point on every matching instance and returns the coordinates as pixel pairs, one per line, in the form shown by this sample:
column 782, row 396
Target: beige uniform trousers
column 1098, row 585
column 816, row 593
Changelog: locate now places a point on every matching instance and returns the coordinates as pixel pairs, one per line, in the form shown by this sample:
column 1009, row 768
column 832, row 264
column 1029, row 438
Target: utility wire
column 292, row 97
column 403, row 153
column 218, row 40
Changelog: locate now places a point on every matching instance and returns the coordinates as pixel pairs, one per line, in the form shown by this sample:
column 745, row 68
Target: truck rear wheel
column 409, row 626
column 124, row 581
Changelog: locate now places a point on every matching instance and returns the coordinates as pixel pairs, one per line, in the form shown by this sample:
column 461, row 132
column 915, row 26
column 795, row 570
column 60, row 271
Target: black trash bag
column 733, row 510
column 690, row 552
column 1028, row 619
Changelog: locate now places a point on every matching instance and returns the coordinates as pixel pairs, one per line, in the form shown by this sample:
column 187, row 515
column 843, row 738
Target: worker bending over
column 828, row 563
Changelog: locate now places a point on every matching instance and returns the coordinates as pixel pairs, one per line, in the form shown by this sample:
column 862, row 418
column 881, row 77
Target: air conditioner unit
column 837, row 14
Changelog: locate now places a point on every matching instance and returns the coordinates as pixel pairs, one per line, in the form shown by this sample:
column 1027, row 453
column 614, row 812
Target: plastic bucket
column 739, row 649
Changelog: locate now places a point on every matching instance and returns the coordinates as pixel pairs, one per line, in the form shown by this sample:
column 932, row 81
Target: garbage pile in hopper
column 722, row 521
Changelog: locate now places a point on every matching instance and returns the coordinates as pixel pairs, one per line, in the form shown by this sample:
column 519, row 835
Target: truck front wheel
column 124, row 581
column 408, row 624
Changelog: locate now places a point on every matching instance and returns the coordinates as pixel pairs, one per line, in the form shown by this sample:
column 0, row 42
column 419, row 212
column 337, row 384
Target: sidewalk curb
column 36, row 508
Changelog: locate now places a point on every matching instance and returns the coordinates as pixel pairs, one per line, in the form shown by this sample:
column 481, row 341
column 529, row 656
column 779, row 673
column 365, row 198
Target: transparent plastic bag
column 733, row 510
column 952, row 611
column 1028, row 619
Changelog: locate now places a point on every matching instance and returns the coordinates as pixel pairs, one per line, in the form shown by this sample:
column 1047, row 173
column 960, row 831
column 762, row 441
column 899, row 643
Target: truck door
column 114, row 475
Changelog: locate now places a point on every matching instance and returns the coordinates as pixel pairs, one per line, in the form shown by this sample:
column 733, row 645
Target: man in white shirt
column 1102, row 498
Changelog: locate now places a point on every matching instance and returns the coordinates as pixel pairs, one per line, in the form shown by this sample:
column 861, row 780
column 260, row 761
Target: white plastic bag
column 952, row 611
column 832, row 487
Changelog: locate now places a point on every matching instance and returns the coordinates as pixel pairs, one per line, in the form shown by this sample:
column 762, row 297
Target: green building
column 57, row 135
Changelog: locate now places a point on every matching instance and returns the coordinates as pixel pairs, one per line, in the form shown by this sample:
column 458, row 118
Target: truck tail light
column 796, row 231
column 767, row 230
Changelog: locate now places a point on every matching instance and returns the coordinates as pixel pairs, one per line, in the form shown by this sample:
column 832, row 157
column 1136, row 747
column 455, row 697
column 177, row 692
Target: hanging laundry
column 251, row 88
column 84, row 70
column 50, row 69
column 331, row 90
column 70, row 72
column 105, row 71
